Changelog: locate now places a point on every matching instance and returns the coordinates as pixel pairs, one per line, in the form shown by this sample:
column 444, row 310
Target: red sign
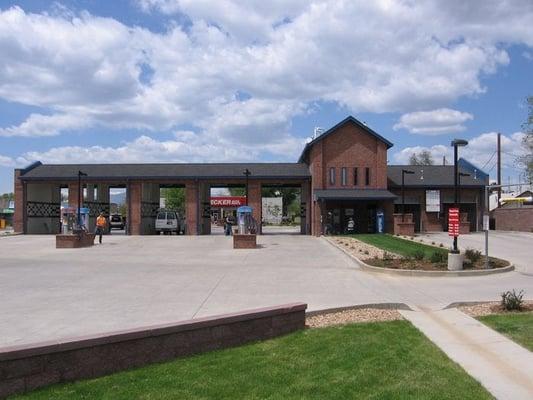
column 453, row 222
column 228, row 201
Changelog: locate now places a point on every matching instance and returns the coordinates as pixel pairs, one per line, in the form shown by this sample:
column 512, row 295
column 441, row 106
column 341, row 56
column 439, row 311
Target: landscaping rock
column 353, row 316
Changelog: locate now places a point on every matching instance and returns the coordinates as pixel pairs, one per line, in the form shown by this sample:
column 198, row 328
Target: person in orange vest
column 101, row 223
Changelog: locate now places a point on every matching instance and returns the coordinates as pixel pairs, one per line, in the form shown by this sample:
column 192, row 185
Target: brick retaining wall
column 25, row 368
column 514, row 219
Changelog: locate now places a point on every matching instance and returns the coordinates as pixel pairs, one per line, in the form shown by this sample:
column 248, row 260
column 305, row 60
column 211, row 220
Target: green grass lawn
column 387, row 360
column 397, row 245
column 517, row 326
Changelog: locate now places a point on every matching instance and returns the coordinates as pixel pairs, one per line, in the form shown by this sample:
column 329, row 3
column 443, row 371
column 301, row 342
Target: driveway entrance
column 133, row 281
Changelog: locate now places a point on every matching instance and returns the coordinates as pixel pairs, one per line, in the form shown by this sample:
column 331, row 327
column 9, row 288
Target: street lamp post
column 408, row 172
column 456, row 143
column 80, row 195
column 247, row 173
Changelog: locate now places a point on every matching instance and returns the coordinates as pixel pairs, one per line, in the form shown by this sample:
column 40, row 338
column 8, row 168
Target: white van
column 168, row 222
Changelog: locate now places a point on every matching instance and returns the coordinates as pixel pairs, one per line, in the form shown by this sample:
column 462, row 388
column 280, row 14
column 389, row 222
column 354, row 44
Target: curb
column 381, row 306
column 411, row 272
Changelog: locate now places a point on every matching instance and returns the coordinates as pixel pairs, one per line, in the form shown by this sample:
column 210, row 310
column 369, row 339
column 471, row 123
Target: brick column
column 191, row 207
column 20, row 204
column 305, row 200
column 134, row 208
column 73, row 194
column 255, row 201
column 318, row 212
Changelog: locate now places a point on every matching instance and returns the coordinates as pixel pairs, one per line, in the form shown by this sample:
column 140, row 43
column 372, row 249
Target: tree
column 526, row 161
column 237, row 191
column 422, row 158
column 174, row 199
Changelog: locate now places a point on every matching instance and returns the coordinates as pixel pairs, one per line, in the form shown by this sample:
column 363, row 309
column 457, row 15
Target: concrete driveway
column 131, row 281
column 516, row 247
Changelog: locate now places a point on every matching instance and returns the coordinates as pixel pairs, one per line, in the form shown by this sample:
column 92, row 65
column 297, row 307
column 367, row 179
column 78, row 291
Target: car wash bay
column 38, row 191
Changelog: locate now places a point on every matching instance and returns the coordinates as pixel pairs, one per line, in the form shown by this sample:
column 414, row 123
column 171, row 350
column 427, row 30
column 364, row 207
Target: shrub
column 512, row 301
column 366, row 252
column 473, row 255
column 437, row 257
column 441, row 245
column 433, row 243
column 418, row 255
column 387, row 256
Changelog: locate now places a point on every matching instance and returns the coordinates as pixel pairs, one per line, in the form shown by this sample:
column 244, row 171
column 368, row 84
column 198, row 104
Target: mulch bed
column 494, row 307
column 426, row 265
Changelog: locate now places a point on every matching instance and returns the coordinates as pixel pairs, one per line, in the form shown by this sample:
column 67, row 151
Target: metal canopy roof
column 167, row 171
column 353, row 194
column 431, row 176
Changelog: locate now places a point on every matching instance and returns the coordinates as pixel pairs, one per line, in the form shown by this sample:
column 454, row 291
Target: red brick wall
column 514, row 219
column 352, row 147
column 349, row 147
column 18, row 217
column 135, row 200
column 255, row 201
column 191, row 207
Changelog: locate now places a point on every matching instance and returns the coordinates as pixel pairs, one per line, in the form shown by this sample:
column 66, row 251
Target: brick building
column 341, row 174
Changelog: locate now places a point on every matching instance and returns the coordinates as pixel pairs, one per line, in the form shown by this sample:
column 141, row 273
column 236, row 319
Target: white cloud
column 434, row 122
column 383, row 56
column 46, row 125
column 480, row 151
column 185, row 147
column 6, row 161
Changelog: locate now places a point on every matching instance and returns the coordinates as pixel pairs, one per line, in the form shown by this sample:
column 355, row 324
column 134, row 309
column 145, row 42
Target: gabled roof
column 431, row 176
column 345, row 121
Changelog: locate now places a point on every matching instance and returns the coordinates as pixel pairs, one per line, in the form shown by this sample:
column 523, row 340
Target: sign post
column 453, row 222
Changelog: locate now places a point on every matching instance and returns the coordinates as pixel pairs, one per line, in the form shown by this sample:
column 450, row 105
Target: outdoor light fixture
column 80, row 195
column 247, row 173
column 456, row 143
column 408, row 172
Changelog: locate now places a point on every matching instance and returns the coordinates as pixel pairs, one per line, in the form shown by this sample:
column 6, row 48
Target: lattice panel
column 40, row 209
column 149, row 210
column 96, row 207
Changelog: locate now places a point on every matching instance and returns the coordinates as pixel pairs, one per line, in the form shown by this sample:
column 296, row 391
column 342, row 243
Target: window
column 355, row 173
column 344, row 176
column 367, row 176
column 332, row 176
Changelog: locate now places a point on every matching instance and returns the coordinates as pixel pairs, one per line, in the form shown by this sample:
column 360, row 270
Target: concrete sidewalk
column 503, row 367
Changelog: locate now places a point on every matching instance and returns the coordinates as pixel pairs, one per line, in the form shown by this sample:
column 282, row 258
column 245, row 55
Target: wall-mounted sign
column 228, row 201
column 432, row 200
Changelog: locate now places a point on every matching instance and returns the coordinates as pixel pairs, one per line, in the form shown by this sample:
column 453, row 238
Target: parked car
column 116, row 221
column 169, row 222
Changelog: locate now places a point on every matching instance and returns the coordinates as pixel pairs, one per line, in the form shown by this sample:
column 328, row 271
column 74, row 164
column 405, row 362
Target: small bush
column 437, row 257
column 473, row 255
column 512, row 301
column 387, row 256
column 418, row 255
column 433, row 243
column 366, row 252
column 441, row 245
column 407, row 258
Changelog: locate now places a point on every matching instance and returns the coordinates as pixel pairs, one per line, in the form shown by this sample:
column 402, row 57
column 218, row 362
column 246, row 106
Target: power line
column 488, row 161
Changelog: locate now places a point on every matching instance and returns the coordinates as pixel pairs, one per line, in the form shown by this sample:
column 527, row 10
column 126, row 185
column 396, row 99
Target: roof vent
column 318, row 131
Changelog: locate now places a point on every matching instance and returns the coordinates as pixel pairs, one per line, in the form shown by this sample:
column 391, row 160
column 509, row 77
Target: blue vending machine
column 380, row 221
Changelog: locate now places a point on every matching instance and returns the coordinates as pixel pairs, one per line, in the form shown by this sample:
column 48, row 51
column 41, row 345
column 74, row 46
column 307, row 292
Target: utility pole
column 499, row 168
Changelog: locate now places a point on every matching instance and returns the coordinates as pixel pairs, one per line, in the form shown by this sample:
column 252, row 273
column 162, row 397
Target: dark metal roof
column 431, row 176
column 168, row 171
column 348, row 119
column 353, row 194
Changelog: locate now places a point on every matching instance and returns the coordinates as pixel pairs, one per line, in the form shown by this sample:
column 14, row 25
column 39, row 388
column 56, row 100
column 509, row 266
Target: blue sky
column 200, row 81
